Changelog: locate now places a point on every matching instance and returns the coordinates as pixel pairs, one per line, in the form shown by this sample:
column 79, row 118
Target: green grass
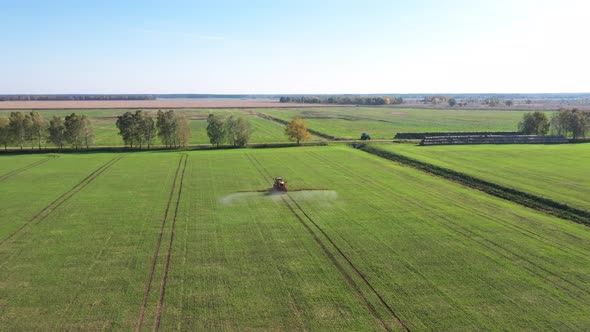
column 556, row 172
column 384, row 123
column 441, row 255
column 345, row 122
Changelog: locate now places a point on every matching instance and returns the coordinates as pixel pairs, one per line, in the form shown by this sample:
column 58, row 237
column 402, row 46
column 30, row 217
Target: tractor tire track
column 148, row 284
column 497, row 248
column 160, row 306
column 24, row 168
column 46, row 211
column 333, row 259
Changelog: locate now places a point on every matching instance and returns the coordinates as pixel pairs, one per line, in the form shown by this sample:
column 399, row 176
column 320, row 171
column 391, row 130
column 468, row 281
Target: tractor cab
column 279, row 185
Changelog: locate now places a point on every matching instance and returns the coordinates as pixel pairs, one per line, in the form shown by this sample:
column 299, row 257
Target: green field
column 381, row 247
column 106, row 132
column 384, row 123
column 343, row 122
column 557, row 172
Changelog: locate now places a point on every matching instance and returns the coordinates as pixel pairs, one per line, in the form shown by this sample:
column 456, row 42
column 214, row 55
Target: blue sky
column 294, row 46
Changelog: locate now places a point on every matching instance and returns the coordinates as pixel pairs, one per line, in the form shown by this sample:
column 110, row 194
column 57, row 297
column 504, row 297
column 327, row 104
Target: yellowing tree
column 297, row 130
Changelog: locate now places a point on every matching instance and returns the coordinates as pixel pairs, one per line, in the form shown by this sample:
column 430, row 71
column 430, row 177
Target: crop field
column 342, row 122
column 182, row 241
column 384, row 123
column 557, row 172
column 106, row 132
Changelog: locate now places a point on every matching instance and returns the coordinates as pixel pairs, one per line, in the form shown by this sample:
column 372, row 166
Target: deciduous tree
column 534, row 124
column 238, row 130
column 38, row 127
column 5, row 138
column 57, row 131
column 184, row 131
column 167, row 128
column 74, row 134
column 215, row 129
column 297, row 130
column 18, row 131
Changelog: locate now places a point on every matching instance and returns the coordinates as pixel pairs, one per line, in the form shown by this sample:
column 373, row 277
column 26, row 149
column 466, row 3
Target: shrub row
column 532, row 201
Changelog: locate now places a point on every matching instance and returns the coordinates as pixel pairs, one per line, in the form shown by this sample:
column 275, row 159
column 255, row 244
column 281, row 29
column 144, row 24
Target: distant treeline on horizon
column 344, row 100
column 290, row 97
column 73, row 97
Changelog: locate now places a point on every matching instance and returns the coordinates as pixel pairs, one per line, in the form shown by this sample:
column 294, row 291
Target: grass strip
column 532, row 201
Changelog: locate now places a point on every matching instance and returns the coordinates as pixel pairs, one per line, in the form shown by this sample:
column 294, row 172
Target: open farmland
column 106, row 132
column 557, row 172
column 340, row 122
column 148, row 104
column 165, row 239
column 385, row 122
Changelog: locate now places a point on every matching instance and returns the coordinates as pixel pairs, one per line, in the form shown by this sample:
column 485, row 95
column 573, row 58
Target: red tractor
column 279, row 185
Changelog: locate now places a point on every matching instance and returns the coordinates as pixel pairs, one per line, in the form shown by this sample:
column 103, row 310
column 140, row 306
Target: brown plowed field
column 160, row 103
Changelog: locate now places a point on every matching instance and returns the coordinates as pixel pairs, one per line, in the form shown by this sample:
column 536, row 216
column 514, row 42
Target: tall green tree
column 86, row 131
column 148, row 129
column 137, row 128
column 183, row 132
column 572, row 123
column 215, row 129
column 127, row 128
column 57, row 131
column 29, row 133
column 534, row 124
column 38, row 127
column 5, row 137
column 238, row 131
column 167, row 125
column 18, row 131
column 74, row 130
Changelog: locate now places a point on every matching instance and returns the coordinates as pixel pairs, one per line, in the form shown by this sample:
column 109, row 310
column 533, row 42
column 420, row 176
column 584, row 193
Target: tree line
column 22, row 128
column 570, row 123
column 343, row 100
column 139, row 129
column 73, row 97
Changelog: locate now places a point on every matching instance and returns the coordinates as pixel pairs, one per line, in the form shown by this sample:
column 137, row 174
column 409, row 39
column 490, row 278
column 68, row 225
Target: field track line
column 148, row 284
column 333, row 259
column 497, row 248
column 529, row 200
column 24, row 168
column 40, row 216
column 169, row 255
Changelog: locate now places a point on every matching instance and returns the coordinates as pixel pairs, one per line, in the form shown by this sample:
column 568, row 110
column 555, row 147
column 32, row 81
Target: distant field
column 159, row 103
column 557, row 172
column 343, row 122
column 106, row 132
column 385, row 246
column 384, row 123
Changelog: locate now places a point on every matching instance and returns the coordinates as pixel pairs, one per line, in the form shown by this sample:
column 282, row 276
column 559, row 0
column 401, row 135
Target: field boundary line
column 40, row 216
column 335, row 262
column 535, row 202
column 284, row 122
column 148, row 285
column 500, row 250
column 160, row 306
column 26, row 167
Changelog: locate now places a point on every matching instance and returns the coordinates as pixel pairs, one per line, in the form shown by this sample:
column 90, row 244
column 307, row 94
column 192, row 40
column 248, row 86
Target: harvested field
column 148, row 104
